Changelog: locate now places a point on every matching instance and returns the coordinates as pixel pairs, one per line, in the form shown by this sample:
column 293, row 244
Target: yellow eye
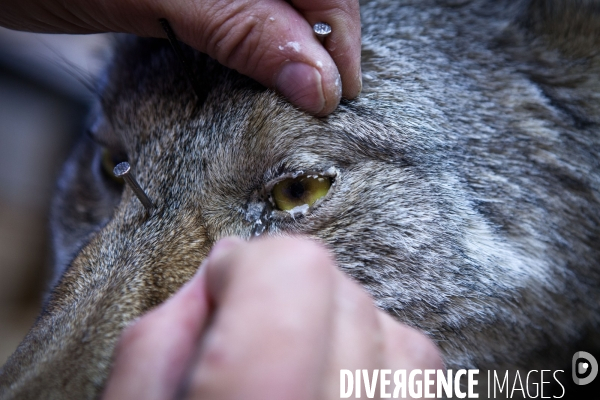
column 296, row 192
column 109, row 162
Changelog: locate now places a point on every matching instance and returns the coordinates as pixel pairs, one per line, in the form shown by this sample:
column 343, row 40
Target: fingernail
column 301, row 84
column 224, row 246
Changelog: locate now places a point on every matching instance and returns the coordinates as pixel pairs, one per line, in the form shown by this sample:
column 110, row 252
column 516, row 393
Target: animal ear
column 572, row 26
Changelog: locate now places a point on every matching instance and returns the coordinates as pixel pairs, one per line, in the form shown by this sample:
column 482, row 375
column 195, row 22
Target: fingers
column 270, row 335
column 357, row 341
column 367, row 339
column 285, row 321
column 272, row 42
column 407, row 348
column 153, row 353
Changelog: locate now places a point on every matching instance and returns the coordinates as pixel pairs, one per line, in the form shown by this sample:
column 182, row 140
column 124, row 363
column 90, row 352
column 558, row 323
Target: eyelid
column 330, row 172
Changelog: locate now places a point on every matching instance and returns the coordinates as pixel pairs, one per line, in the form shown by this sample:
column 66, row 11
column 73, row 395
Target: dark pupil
column 296, row 190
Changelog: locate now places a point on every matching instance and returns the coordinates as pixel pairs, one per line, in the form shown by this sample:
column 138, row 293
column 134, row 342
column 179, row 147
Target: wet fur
column 466, row 197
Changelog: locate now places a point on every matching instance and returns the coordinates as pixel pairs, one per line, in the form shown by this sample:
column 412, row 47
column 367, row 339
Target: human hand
column 270, row 41
column 268, row 319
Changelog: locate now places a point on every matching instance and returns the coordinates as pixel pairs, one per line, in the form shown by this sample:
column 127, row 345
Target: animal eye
column 300, row 191
column 109, row 161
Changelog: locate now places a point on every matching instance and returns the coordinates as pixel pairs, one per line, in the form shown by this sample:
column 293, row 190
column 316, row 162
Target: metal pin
column 123, row 170
column 322, row 30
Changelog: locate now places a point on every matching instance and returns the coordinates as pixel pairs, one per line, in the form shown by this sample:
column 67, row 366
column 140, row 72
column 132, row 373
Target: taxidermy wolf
column 461, row 188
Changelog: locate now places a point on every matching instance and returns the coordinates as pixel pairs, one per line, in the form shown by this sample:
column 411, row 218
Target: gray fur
column 466, row 196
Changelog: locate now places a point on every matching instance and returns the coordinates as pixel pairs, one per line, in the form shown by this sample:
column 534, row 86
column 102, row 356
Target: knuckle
column 311, row 254
column 234, row 33
column 139, row 329
column 366, row 309
column 363, row 302
column 241, row 42
column 292, row 253
column 215, row 351
column 132, row 334
column 407, row 346
column 216, row 367
column 425, row 352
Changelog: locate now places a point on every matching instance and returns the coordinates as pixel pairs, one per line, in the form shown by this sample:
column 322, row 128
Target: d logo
column 585, row 368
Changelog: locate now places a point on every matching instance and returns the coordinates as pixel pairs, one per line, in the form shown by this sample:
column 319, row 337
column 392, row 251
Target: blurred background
column 46, row 86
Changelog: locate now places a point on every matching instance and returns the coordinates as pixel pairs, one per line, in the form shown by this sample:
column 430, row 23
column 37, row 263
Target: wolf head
column 461, row 189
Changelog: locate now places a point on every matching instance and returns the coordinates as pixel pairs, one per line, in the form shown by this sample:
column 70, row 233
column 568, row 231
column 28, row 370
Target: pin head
column 121, row 169
column 322, row 29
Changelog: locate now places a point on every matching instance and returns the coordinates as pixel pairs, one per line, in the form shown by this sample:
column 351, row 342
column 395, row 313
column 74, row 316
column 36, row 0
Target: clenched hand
column 269, row 319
